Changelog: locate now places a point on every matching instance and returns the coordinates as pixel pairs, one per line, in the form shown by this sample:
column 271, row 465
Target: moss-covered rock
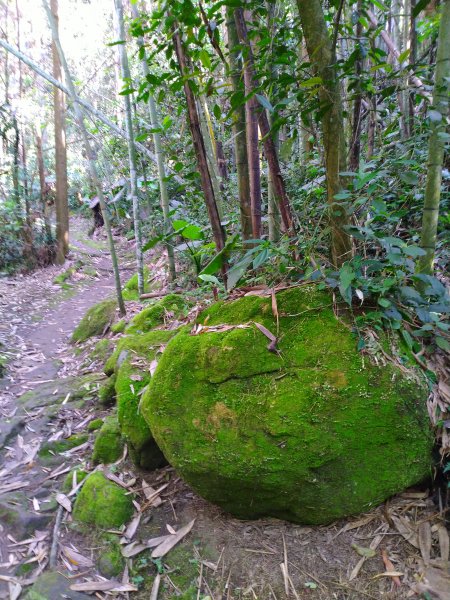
column 137, row 345
column 130, row 382
column 107, row 392
column 110, row 561
column 50, row 452
column 94, row 424
column 310, row 434
column 80, row 475
column 108, row 445
column 171, row 306
column 53, row 586
column 102, row 350
column 95, row 321
column 102, row 503
column 119, row 327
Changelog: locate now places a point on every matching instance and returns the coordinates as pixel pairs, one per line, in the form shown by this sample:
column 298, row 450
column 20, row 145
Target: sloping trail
column 36, row 320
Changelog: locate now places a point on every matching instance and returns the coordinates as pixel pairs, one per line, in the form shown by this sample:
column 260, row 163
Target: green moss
column 52, row 586
column 95, row 321
column 80, row 475
column 129, row 385
column 183, row 569
column 119, row 327
column 110, row 561
column 102, row 503
column 108, row 445
column 102, row 350
column 130, row 289
column 137, row 345
column 49, row 452
column 311, row 434
column 107, row 393
column 67, row 274
column 94, row 425
column 171, row 305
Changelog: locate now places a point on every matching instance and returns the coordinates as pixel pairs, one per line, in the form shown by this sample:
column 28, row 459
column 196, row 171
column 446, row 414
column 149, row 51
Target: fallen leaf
column 390, row 567
column 64, row 501
column 173, row 540
column 76, row 558
column 424, row 533
column 132, row 527
column 366, row 552
column 103, row 586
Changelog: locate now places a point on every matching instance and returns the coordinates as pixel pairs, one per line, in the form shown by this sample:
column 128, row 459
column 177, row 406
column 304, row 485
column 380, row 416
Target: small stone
column 53, row 586
column 102, row 503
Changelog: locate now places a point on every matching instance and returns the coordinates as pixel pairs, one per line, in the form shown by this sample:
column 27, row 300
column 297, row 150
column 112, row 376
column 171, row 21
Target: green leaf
column 264, row 102
column 346, row 275
column 413, row 251
column 435, row 116
column 179, row 224
column 217, row 111
column 205, row 59
column 152, row 242
column 408, row 339
column 404, row 55
column 192, row 232
column 420, row 6
column 209, row 279
column 313, row 81
column 409, row 177
column 384, row 302
column 443, row 343
column 237, row 271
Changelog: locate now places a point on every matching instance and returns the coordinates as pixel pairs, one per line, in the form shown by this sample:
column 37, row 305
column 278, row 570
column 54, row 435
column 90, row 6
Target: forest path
column 37, row 318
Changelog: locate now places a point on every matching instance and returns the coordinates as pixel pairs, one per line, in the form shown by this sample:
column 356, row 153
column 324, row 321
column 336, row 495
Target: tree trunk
column 42, row 185
column 436, row 145
column 61, row 201
column 269, row 146
column 239, row 130
column 90, row 154
column 126, row 76
column 209, row 141
column 199, row 147
column 355, row 143
column 322, row 59
column 160, row 159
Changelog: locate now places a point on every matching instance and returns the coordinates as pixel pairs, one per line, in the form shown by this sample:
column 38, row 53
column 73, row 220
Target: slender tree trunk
column 239, row 130
column 355, row 143
column 160, row 159
column 207, row 133
column 436, row 145
column 61, row 201
column 321, row 55
column 82, row 103
column 199, row 148
column 16, row 166
column 42, row 185
column 269, row 146
column 126, row 76
column 412, row 61
column 90, row 155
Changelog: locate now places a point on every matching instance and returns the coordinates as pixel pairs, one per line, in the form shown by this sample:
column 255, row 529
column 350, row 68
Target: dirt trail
column 37, row 318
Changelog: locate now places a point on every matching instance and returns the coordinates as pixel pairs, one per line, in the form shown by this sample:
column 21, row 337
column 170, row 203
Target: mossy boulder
column 94, row 424
column 170, row 306
column 140, row 345
column 95, row 321
column 310, row 433
column 102, row 503
column 119, row 327
column 130, row 383
column 110, row 561
column 102, row 350
column 107, row 392
column 108, row 445
column 80, row 475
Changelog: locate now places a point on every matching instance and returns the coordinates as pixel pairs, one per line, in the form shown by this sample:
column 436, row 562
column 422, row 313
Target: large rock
column 312, row 433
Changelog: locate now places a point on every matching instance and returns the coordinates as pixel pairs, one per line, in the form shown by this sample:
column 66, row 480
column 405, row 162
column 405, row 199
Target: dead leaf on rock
column 64, row 501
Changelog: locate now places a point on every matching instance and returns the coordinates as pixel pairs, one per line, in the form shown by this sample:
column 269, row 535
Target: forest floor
column 397, row 551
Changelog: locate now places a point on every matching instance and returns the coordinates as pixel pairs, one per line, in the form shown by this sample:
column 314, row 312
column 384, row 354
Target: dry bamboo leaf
column 133, row 549
column 132, row 527
column 15, row 589
column 436, row 583
column 36, row 505
column 76, row 558
column 64, row 501
column 103, row 586
column 373, row 545
column 155, row 587
column 153, row 366
column 425, row 541
column 356, row 524
column 167, row 545
column 444, row 543
column 154, row 542
column 116, row 479
column 390, row 567
column 405, row 530
column 170, row 529
column 388, row 574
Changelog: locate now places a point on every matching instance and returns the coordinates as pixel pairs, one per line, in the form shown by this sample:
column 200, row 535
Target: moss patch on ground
column 107, row 393
column 108, row 445
column 110, row 561
column 76, row 474
column 130, row 289
column 170, row 306
column 102, row 503
column 94, row 425
column 119, row 327
column 96, row 320
column 49, row 452
column 311, row 433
